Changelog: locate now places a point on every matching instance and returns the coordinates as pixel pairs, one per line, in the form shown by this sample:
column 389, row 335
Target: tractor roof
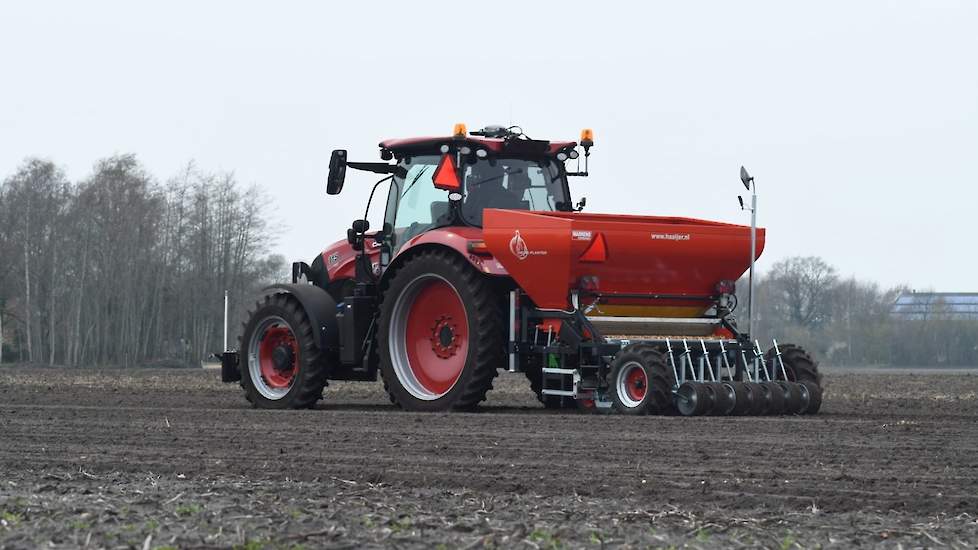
column 496, row 145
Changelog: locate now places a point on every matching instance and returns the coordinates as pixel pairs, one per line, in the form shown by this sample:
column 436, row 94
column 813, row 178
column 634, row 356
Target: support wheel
column 639, row 381
column 281, row 364
column 440, row 334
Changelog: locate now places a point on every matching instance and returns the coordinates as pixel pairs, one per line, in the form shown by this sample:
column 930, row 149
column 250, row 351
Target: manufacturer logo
column 333, row 259
column 519, row 249
column 670, row 236
column 580, row 235
column 518, row 246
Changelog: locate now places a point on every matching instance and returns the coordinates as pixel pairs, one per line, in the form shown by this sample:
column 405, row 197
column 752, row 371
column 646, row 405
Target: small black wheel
column 694, row 399
column 760, row 398
column 777, row 398
column 743, row 395
column 814, row 396
column 793, row 402
column 725, row 398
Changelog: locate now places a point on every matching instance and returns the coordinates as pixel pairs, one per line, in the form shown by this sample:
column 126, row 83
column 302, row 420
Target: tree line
column 121, row 269
column 847, row 321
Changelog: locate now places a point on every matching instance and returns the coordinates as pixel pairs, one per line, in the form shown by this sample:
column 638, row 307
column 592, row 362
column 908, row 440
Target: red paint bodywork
column 644, row 254
column 456, row 238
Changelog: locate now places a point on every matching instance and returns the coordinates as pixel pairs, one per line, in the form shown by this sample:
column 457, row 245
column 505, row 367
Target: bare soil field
column 172, row 458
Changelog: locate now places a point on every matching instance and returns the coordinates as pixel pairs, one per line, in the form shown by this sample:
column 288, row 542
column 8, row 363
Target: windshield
column 514, row 184
column 416, row 205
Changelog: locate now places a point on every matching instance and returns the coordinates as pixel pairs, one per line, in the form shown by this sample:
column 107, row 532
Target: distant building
column 922, row 306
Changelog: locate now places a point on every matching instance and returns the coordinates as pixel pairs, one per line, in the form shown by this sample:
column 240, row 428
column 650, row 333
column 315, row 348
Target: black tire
column 793, row 403
column 650, row 391
column 814, row 397
column 798, row 364
column 694, row 399
column 776, row 398
column 743, row 396
column 760, row 399
column 312, row 365
column 485, row 329
column 724, row 398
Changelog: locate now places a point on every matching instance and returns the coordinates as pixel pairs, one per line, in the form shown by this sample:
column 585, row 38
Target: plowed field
column 150, row 458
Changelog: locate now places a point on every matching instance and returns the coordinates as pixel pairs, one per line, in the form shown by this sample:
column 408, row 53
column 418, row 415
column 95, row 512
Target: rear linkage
column 571, row 364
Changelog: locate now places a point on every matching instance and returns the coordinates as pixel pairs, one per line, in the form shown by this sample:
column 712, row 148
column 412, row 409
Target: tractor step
column 561, row 382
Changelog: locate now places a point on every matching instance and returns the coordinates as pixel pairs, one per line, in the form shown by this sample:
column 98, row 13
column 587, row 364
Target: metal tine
column 706, row 357
column 747, row 369
column 760, row 357
column 672, row 361
column 689, row 360
column 777, row 352
column 726, row 362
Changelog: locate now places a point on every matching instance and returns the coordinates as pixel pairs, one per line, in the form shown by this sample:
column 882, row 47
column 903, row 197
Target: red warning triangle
column 597, row 252
column 446, row 175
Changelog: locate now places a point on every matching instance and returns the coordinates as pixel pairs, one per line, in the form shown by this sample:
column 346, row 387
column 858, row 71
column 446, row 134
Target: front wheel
column 281, row 365
column 440, row 334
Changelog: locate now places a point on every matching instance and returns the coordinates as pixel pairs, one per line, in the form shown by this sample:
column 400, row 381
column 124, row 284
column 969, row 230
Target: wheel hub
column 444, row 339
column 282, row 357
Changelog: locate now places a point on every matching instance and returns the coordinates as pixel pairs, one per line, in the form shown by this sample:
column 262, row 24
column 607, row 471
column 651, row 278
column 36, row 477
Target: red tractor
column 484, row 262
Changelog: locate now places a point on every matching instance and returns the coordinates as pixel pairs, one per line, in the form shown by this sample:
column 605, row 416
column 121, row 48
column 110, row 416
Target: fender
column 453, row 238
column 321, row 309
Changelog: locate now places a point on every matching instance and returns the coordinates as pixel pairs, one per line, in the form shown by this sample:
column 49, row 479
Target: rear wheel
column 281, row 365
column 439, row 335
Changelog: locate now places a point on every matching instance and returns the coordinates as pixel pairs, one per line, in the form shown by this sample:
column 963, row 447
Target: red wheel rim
column 436, row 337
column 278, row 356
column 636, row 383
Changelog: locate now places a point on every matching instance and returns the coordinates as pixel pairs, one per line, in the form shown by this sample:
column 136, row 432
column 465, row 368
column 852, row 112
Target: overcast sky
column 859, row 120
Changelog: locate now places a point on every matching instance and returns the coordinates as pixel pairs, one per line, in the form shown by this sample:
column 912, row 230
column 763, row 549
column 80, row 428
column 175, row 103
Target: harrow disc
column 694, row 399
column 793, row 402
column 776, row 398
column 814, row 396
column 725, row 398
column 760, row 398
column 743, row 397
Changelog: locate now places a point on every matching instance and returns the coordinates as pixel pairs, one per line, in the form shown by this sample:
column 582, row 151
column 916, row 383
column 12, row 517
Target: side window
column 414, row 204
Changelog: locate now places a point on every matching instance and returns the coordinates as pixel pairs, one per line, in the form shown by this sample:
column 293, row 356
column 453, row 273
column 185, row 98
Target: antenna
column 748, row 182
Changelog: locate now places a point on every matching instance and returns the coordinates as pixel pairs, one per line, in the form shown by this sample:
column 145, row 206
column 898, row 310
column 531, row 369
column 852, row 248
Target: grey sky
column 859, row 120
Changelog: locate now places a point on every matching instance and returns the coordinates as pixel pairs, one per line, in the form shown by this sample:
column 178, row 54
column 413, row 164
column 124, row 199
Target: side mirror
column 361, row 226
column 337, row 172
column 745, row 177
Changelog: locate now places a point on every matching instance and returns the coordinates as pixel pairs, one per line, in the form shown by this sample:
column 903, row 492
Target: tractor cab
column 450, row 181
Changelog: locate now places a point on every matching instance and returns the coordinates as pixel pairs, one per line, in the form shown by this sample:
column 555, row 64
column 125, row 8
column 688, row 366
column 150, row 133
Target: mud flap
column 229, row 367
